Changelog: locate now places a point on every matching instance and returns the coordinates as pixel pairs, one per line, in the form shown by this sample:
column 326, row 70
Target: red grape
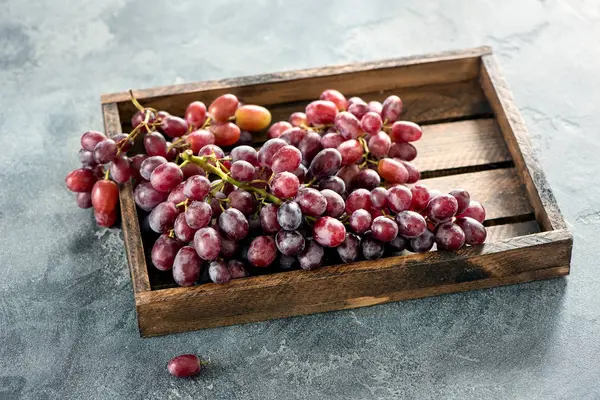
column 402, row 150
column 384, row 229
column 336, row 98
column 184, row 366
column 360, row 221
column 420, row 197
column 347, row 125
column 284, row 185
column 277, row 129
column 463, row 198
column 298, row 119
column 268, row 219
column 449, row 236
column 86, row 158
column 311, row 202
column 392, row 108
column 289, row 215
column 262, row 251
column 309, row 146
column 146, row 197
column 164, row 251
column 379, row 197
column 198, row 139
column 399, row 198
column 84, row 200
column 182, row 230
column 441, row 208
column 411, row 224
column 120, row 169
column 186, row 266
column 379, row 144
column 105, row 151
column 218, row 272
column 236, row 269
column 329, row 232
column 351, row 151
column 177, row 196
column 405, row 131
column 293, row 136
column 223, row 107
column 413, row 172
column 371, row 123
column 242, row 171
column 268, row 150
column 243, row 201
column 140, row 116
column 392, row 171
column 196, row 187
column 80, row 180
column 376, row 107
column 105, row 219
column 123, row 142
column 155, row 144
column 198, row 214
column 360, row 198
column 331, row 140
column 474, row 231
column 358, row 109
column 207, row 243
column 245, row 153
column 162, row 218
column 475, row 210
column 195, row 114
column 226, row 133
column 286, row 159
column 367, row 179
column 335, row 203
column 234, row 224
column 105, row 194
column 321, row 112
column 166, row 177
column 90, row 139
column 174, row 126
column 312, row 255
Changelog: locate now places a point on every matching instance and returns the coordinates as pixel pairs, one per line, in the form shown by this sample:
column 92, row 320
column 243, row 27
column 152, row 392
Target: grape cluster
column 328, row 186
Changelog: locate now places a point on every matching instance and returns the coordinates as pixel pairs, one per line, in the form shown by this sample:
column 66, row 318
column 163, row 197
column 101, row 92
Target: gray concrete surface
column 67, row 324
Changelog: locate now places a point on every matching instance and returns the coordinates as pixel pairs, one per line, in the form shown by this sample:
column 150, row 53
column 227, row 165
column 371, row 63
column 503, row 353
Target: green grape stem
column 204, row 163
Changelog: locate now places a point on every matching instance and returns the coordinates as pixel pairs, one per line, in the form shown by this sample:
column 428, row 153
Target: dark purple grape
column 289, row 243
column 198, row 214
column 84, row 200
column 155, row 144
column 105, row 151
column 293, row 136
column 262, row 251
column 218, row 272
column 123, row 142
column 237, row 269
column 162, row 218
column 327, row 162
column 347, row 174
column 335, row 203
column 449, row 236
column 301, row 173
column 463, row 199
column 268, row 219
column 289, row 215
column 398, row 244
column 312, row 255
column 367, row 179
column 192, row 169
column 164, row 251
column 410, row 224
column 90, row 140
column 229, row 247
column 310, row 146
column 120, row 169
column 349, row 250
column 372, row 248
column 333, row 183
column 442, row 208
column 215, row 204
column 86, row 158
column 207, row 243
column 287, row 263
column 182, row 230
column 149, row 165
column 243, row 201
column 402, row 150
column 384, row 229
column 174, row 126
column 187, row 266
column 474, row 231
column 234, row 224
column 146, row 197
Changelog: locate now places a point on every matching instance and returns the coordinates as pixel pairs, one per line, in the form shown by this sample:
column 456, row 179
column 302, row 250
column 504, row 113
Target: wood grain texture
column 305, row 84
column 517, row 139
column 129, row 218
column 460, row 146
column 498, row 190
column 347, row 286
column 507, row 231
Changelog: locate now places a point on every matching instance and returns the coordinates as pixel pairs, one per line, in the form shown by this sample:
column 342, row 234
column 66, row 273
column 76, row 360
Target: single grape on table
column 335, row 183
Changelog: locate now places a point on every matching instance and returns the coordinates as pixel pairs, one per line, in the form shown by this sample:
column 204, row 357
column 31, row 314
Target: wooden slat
column 281, row 87
column 351, row 285
column 506, row 231
column 498, row 190
column 460, row 145
column 517, row 138
column 129, row 224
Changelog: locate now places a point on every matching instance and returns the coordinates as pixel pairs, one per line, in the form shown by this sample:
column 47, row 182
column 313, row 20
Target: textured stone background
column 67, row 325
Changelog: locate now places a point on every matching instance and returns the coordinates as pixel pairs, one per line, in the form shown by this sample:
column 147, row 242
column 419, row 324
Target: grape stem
column 204, row 163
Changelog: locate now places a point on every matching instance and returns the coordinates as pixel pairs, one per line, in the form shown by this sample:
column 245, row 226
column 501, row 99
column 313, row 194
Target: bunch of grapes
column 328, row 186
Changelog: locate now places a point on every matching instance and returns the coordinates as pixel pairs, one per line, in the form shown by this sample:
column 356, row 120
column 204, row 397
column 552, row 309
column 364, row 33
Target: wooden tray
column 474, row 138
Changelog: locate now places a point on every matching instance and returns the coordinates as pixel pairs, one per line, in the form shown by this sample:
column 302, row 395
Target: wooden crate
column 474, row 138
